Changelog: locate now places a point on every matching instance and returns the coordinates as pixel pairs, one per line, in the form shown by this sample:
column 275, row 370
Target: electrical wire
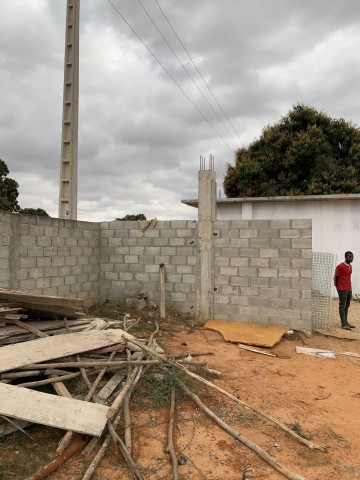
column 192, row 61
column 169, row 74
column 187, row 72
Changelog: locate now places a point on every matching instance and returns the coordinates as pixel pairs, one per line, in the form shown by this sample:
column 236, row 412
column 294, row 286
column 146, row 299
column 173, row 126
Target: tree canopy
column 305, row 153
column 9, row 190
column 129, row 217
column 34, row 211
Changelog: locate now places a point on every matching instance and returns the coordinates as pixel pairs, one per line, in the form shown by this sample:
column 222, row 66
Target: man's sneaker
column 346, row 327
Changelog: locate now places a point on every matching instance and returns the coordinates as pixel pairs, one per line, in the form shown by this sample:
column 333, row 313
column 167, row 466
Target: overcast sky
column 140, row 138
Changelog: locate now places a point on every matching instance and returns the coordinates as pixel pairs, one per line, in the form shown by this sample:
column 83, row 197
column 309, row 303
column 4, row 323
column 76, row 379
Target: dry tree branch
column 255, row 448
column 309, row 444
column 170, row 446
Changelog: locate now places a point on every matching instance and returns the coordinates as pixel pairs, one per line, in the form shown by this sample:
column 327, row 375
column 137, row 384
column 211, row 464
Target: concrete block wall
column 131, row 258
column 53, row 257
column 5, row 242
column 263, row 271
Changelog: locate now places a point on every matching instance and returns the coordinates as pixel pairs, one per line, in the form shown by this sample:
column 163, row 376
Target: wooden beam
column 43, row 349
column 51, row 410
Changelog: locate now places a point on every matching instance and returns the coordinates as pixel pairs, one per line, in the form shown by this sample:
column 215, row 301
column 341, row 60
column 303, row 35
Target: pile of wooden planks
column 24, row 316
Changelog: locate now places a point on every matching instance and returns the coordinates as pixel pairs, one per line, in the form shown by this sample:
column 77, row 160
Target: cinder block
column 289, row 313
column 307, row 233
column 259, row 224
column 183, row 287
column 36, row 273
column 248, row 233
column 249, row 252
column 269, row 252
column 271, row 292
column 290, row 293
column 301, row 263
column 136, row 268
column 259, row 282
column 222, row 280
column 301, row 304
column 306, row 253
column 289, row 273
column 231, row 271
column 238, row 300
column 142, row 277
column 42, row 283
column 239, row 262
column 302, row 283
column 301, row 243
column 28, row 285
column 260, row 242
column 222, row 261
column 177, row 297
column 268, row 272
column 259, row 301
column 260, row 262
column 189, row 278
column 131, row 259
column 306, row 272
column 280, row 262
column 239, row 224
column 268, row 233
column 289, row 252
column 25, row 240
column 280, row 243
column 184, row 269
column 239, row 242
column 28, row 262
column 230, row 252
column 289, row 233
column 240, row 281
column 280, row 302
column 298, row 223
column 176, row 242
column 249, row 291
column 35, row 251
column 280, row 224
column 229, row 290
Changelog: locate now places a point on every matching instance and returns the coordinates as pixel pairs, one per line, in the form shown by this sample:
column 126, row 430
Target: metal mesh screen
column 323, row 267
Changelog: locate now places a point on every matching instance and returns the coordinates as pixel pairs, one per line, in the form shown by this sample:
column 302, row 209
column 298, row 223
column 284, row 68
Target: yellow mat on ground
column 248, row 333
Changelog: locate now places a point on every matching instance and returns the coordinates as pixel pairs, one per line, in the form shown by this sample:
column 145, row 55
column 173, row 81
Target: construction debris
column 315, row 352
column 110, row 362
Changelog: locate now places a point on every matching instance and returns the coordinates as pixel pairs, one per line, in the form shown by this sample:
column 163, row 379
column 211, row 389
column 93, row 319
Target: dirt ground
column 319, row 397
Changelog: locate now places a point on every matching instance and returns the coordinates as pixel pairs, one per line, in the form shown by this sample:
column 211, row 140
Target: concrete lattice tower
column 69, row 137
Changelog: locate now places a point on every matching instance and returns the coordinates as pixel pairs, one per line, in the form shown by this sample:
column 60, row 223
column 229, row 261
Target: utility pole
column 69, row 136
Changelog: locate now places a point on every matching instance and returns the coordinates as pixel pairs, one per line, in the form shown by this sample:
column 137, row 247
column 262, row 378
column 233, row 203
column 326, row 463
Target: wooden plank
column 51, row 410
column 23, row 297
column 255, row 350
column 43, row 349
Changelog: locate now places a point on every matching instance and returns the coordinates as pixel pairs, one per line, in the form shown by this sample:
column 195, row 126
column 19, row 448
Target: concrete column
column 69, row 137
column 206, row 217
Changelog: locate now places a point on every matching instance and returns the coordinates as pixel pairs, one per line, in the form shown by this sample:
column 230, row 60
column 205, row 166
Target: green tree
column 9, row 190
column 34, row 211
column 139, row 216
column 305, row 153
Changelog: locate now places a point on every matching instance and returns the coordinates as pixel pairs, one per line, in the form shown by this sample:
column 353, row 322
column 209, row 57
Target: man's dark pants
column 344, row 304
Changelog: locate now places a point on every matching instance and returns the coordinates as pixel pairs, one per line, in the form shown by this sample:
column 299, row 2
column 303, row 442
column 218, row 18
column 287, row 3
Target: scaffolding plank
column 49, row 348
column 51, row 410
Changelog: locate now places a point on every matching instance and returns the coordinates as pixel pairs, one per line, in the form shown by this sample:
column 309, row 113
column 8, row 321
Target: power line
column 192, row 61
column 187, row 72
column 169, row 74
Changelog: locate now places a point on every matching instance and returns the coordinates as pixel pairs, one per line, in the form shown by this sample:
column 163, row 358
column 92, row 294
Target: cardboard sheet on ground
column 248, row 333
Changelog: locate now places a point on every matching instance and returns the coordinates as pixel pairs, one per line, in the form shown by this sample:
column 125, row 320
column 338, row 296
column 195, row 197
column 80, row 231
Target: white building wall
column 335, row 222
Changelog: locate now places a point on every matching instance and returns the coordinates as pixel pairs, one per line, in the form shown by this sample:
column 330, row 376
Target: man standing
column 342, row 282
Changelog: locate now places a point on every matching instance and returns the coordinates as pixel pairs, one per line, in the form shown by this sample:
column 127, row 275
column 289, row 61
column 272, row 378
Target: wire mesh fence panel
column 323, row 267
